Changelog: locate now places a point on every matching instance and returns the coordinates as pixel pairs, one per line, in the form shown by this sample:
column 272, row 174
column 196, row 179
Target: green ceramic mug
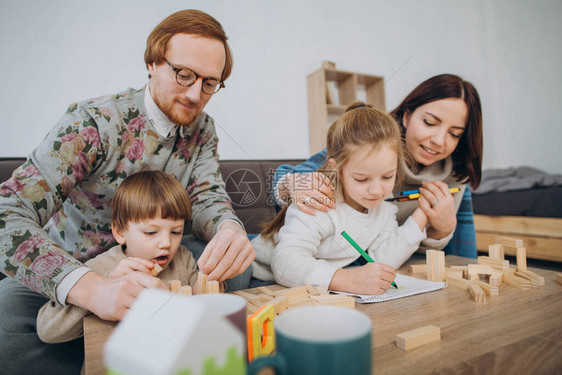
column 320, row 340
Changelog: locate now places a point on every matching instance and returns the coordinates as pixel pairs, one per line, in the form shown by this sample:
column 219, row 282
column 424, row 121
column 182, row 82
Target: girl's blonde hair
column 146, row 195
column 360, row 125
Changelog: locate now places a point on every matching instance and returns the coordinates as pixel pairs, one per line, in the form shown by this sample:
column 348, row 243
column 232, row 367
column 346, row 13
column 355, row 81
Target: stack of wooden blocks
column 202, row 286
column 483, row 279
column 284, row 299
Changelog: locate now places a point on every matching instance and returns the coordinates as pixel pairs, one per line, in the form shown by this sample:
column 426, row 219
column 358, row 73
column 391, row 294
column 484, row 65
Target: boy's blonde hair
column 360, row 125
column 146, row 195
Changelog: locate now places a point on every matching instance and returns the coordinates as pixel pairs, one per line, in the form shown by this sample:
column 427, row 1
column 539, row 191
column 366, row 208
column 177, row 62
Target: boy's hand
column 372, row 278
column 131, row 264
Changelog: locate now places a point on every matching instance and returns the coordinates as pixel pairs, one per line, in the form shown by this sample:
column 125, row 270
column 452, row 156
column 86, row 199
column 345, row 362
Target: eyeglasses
column 187, row 78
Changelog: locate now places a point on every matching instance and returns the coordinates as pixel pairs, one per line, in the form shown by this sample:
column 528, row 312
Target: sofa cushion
column 249, row 185
column 8, row 165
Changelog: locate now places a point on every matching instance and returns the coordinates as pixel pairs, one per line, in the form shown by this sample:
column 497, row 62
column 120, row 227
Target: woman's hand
column 372, row 278
column 308, row 191
column 438, row 204
column 131, row 264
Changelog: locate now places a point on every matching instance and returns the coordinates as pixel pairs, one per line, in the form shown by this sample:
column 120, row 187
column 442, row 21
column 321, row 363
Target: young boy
column 149, row 210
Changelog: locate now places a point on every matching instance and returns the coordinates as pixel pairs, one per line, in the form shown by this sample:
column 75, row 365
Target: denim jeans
column 21, row 350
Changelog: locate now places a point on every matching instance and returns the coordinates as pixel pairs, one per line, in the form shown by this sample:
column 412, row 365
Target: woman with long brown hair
column 441, row 124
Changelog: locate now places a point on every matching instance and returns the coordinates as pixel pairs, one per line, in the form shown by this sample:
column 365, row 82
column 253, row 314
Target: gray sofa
column 248, row 182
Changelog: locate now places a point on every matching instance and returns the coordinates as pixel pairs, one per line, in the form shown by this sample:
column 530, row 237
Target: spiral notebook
column 408, row 286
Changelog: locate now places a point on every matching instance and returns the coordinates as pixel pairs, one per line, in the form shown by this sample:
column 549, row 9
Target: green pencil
column 361, row 251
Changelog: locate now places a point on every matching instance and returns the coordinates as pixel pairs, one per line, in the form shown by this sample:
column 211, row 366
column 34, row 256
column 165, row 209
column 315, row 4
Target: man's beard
column 183, row 120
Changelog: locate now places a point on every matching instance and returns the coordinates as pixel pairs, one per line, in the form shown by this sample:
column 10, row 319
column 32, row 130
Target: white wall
column 56, row 52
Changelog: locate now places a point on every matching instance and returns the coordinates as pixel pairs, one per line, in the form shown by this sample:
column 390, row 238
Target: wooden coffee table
column 519, row 331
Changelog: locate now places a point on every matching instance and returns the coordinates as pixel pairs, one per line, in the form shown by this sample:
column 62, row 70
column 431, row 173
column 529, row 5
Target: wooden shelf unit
column 331, row 91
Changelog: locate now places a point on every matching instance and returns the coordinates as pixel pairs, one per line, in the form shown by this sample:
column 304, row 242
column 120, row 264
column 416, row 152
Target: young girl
column 364, row 151
column 441, row 123
column 149, row 210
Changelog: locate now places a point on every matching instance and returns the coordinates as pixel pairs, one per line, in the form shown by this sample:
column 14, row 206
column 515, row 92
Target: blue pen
column 408, row 192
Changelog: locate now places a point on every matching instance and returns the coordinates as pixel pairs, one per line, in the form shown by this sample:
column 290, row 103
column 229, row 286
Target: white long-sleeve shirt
column 311, row 249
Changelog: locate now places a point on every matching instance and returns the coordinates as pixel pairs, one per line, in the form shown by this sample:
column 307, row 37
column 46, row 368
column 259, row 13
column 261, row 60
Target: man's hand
column 110, row 298
column 228, row 254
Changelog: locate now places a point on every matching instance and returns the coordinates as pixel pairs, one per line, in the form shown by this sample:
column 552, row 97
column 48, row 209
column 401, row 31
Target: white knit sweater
column 311, row 249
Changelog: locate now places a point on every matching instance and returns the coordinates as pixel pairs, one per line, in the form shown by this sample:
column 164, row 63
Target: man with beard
column 55, row 210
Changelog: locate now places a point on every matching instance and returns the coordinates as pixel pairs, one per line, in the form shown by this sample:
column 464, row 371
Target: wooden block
column 458, row 282
column 521, row 258
column 453, row 272
column 201, row 283
column 489, row 289
column 496, row 280
column 435, row 260
column 335, row 299
column 293, row 293
column 312, row 290
column 175, row 285
column 250, row 298
column 417, row 337
column 321, row 290
column 212, row 287
column 459, row 267
column 477, row 293
column 559, row 278
column 496, row 251
column 440, row 266
column 429, row 260
column 156, row 270
column 496, row 272
column 266, row 290
column 418, row 268
column 500, row 264
column 480, row 269
column 509, row 242
column 516, row 281
column 251, row 309
column 265, row 298
column 279, row 304
column 301, row 301
column 509, row 271
column 536, row 280
column 185, row 290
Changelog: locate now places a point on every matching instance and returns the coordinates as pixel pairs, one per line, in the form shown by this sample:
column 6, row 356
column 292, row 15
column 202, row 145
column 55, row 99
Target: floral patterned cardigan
column 55, row 210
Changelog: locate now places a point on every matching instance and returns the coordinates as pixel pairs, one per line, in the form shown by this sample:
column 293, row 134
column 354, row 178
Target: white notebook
column 408, row 286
